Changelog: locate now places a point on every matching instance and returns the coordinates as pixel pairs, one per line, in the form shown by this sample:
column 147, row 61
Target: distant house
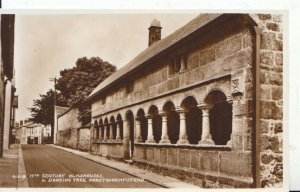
column 32, row 133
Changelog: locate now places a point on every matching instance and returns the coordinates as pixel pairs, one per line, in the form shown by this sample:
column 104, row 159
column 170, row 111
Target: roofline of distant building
column 67, row 110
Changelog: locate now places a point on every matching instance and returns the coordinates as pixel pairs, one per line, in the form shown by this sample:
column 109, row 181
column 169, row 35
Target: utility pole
column 54, row 80
column 54, row 104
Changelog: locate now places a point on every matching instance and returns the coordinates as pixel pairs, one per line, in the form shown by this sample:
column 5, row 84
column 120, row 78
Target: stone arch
column 143, row 123
column 112, row 119
column 105, row 120
column 173, row 123
column 122, row 114
column 220, row 116
column 215, row 89
column 152, row 109
column 169, row 106
column 166, row 102
column 128, row 114
column 187, row 97
column 156, row 122
column 119, row 117
column 193, row 119
column 140, row 112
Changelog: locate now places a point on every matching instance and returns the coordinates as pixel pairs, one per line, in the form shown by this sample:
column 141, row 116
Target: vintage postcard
column 142, row 100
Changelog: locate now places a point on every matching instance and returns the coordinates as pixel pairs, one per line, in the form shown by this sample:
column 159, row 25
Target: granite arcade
column 203, row 104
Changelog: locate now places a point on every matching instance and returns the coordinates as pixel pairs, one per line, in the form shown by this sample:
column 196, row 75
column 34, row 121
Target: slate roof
column 61, row 110
column 154, row 50
column 28, row 124
column 32, row 125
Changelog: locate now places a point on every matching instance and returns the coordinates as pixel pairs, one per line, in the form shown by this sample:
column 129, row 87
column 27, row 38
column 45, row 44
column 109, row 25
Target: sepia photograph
column 142, row 100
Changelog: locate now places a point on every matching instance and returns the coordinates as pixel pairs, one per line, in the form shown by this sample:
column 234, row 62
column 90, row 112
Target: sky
column 47, row 44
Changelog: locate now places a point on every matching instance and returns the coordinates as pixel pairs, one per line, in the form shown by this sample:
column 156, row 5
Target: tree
column 73, row 86
column 77, row 83
column 43, row 108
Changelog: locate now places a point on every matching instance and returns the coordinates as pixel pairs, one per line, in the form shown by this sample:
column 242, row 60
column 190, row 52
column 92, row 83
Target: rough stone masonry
column 186, row 106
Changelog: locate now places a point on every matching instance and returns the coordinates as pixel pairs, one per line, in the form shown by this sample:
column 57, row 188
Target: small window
column 129, row 87
column 178, row 65
column 175, row 68
column 103, row 100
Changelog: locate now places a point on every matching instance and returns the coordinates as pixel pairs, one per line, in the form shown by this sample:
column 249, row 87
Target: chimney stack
column 154, row 32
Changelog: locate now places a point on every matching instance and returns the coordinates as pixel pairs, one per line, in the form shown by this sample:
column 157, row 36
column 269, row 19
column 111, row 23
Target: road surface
column 48, row 166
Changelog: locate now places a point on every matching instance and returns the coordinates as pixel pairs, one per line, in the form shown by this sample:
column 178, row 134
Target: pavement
column 12, row 169
column 149, row 176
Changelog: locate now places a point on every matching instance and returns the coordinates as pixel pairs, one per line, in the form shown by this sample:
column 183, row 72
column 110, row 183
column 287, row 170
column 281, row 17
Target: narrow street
column 47, row 166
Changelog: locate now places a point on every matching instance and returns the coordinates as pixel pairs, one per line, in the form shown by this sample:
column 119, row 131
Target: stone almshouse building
column 204, row 104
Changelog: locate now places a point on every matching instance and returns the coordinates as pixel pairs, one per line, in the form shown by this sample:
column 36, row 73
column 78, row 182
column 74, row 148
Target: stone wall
column 67, row 125
column 70, row 134
column 68, row 120
column 84, row 139
column 110, row 150
column 271, row 99
column 208, row 167
column 68, row 138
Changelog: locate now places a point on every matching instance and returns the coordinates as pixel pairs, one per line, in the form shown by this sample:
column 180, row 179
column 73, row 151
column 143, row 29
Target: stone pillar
column 126, row 129
column 126, row 138
column 183, row 139
column 150, row 137
column 100, row 132
column 206, row 136
column 105, row 132
column 233, row 142
column 118, row 136
column 92, row 135
column 138, row 130
column 111, row 133
column 96, row 136
column 164, row 129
